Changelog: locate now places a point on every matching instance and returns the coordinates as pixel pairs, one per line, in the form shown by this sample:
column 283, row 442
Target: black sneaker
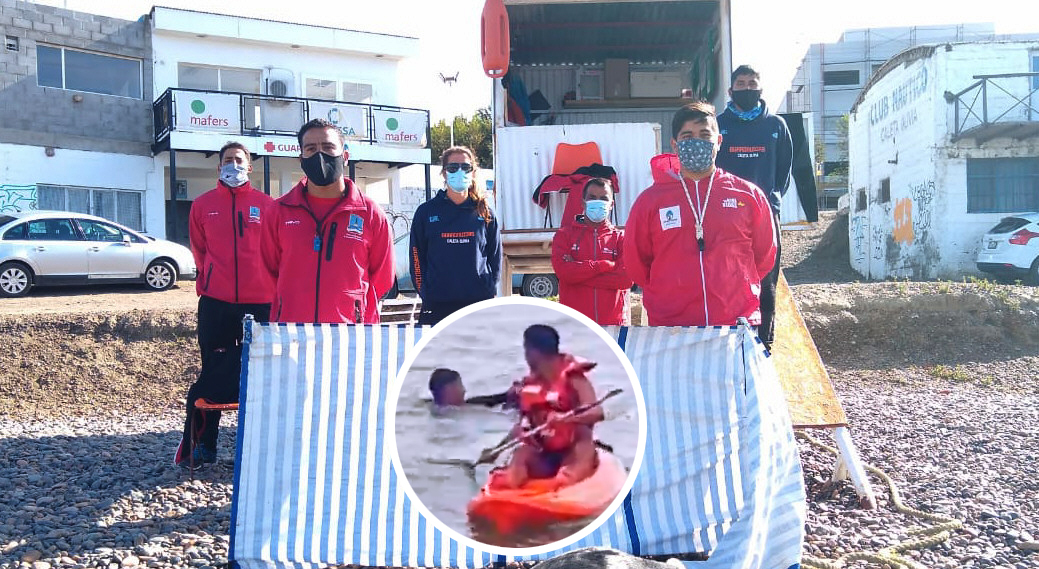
column 203, row 455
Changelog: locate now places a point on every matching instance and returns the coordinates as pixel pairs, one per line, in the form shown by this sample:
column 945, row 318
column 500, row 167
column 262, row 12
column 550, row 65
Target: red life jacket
column 539, row 397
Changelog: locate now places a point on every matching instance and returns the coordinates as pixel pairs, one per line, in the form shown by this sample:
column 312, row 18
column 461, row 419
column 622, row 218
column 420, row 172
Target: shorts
column 546, row 464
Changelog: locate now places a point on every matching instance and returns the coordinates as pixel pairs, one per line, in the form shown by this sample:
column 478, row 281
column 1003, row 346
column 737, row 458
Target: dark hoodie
column 759, row 151
column 455, row 253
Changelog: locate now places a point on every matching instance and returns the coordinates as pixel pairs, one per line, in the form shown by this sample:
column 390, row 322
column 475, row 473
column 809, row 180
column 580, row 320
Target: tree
column 474, row 132
column 842, row 146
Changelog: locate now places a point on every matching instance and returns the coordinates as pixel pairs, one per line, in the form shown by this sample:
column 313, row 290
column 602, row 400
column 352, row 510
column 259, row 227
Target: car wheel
column 1035, row 272
column 160, row 275
column 540, row 286
column 15, row 280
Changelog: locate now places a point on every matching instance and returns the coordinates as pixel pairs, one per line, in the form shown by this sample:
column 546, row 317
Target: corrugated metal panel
column 524, row 155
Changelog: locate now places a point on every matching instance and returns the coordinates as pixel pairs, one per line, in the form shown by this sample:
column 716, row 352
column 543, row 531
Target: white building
column 944, row 142
column 221, row 78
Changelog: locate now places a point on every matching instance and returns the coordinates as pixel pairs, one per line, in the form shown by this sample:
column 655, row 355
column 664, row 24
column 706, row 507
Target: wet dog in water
column 604, row 558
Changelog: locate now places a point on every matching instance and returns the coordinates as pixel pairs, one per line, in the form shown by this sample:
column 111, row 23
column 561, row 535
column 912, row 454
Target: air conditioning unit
column 279, row 82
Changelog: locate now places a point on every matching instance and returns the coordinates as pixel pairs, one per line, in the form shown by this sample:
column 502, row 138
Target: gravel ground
column 940, row 383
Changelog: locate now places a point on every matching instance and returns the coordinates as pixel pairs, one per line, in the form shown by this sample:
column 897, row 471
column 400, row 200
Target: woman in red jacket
column 587, row 259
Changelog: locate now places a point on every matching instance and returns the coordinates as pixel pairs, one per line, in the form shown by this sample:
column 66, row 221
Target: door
column 109, row 255
column 55, row 248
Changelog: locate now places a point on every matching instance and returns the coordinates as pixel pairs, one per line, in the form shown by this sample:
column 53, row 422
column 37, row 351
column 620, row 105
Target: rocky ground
column 940, row 382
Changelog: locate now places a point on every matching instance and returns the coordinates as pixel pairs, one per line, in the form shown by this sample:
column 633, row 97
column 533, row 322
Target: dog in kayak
column 557, row 384
column 447, row 389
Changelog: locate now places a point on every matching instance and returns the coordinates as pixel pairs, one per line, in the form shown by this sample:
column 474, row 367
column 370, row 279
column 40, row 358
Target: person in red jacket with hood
column 328, row 247
column 224, row 228
column 699, row 240
column 587, row 258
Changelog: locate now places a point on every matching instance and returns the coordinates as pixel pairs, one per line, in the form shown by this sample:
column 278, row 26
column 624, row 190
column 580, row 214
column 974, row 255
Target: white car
column 61, row 248
column 1010, row 250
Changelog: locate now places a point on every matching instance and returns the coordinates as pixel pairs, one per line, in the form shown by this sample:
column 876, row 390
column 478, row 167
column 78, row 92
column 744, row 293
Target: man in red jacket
column 587, row 258
column 327, row 246
column 224, row 227
column 699, row 240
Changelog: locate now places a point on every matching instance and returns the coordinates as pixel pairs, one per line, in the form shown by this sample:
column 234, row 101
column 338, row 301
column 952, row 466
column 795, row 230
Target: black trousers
column 220, row 344
column 768, row 293
column 433, row 312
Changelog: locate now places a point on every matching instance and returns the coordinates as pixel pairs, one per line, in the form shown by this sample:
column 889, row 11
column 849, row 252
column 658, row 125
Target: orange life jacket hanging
column 494, row 38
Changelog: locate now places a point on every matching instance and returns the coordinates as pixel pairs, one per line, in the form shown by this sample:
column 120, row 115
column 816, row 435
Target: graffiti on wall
column 923, row 200
column 858, row 238
column 903, row 232
column 14, row 199
column 877, row 241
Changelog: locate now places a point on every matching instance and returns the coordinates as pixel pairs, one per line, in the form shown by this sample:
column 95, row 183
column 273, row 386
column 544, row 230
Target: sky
column 771, row 35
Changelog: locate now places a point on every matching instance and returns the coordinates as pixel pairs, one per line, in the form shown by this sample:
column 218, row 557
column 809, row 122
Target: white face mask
column 234, row 175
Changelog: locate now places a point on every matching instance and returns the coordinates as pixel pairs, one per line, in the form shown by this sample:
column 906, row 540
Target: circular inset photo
column 519, row 425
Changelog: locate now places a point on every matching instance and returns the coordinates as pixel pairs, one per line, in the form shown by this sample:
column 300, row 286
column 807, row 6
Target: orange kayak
column 534, row 504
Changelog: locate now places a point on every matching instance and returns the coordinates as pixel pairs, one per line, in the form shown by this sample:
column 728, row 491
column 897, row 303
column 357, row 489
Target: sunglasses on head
column 455, row 166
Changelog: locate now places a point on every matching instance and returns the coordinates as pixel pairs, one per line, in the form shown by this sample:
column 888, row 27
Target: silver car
column 59, row 247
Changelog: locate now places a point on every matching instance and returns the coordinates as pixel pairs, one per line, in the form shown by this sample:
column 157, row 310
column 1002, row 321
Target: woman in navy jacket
column 455, row 242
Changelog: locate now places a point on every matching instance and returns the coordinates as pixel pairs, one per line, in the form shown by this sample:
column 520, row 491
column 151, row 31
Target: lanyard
column 698, row 213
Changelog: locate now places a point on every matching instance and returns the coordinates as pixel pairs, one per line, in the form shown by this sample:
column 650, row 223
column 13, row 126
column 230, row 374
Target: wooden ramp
column 809, row 392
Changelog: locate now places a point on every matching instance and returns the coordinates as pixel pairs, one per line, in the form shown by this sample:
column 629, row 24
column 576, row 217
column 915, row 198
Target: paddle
column 489, row 455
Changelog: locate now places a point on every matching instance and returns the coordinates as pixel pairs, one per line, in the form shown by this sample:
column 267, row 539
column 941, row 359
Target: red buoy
column 494, row 38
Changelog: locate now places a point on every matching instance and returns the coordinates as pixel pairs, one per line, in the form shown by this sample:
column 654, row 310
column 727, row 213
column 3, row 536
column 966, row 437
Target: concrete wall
column 901, row 130
column 47, row 116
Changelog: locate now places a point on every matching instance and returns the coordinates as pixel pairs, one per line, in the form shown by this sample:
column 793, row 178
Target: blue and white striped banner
column 314, row 486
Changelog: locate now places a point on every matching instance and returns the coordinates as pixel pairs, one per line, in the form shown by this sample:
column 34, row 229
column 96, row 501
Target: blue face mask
column 596, row 210
column 459, row 181
column 695, row 154
column 234, row 175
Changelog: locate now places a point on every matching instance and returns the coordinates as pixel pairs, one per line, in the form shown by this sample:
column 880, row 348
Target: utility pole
column 450, row 81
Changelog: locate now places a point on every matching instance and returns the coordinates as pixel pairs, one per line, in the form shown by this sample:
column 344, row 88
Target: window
column 121, row 206
column 97, row 231
column 1002, row 185
column 845, row 77
column 11, row 42
column 860, row 200
column 321, row 89
column 17, row 232
column 226, row 79
column 875, row 67
column 86, row 71
column 885, row 190
column 356, row 92
column 51, row 230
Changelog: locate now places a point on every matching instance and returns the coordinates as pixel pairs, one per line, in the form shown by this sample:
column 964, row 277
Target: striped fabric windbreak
column 314, row 485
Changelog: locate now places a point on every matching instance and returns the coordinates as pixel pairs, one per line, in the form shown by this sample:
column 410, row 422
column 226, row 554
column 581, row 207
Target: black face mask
column 322, row 169
column 747, row 99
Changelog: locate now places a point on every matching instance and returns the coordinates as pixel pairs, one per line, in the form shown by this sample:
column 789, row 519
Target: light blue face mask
column 596, row 210
column 695, row 154
column 459, row 181
column 234, row 175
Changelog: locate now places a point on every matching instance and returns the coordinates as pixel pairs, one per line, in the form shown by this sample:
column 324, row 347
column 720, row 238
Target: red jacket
column 682, row 286
column 594, row 281
column 352, row 270
column 225, row 227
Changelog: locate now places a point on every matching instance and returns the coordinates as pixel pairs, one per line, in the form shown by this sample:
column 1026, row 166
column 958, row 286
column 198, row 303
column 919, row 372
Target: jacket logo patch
column 254, row 213
column 214, row 213
column 292, row 222
column 670, row 218
column 732, row 203
column 356, row 224
column 434, row 218
column 775, row 135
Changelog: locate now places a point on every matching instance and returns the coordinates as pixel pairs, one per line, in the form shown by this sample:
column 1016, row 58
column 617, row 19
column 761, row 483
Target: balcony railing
column 249, row 114
column 997, row 105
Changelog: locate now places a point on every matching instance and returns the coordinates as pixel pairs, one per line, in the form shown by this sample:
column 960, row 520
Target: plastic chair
column 570, row 157
column 202, row 405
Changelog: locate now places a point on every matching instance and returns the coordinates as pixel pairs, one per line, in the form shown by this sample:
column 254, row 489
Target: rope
column 928, row 536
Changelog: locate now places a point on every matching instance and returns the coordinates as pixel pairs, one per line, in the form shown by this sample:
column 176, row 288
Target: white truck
column 611, row 72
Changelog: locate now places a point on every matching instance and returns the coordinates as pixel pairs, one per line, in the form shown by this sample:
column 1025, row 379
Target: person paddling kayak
column 558, row 383
column 447, row 389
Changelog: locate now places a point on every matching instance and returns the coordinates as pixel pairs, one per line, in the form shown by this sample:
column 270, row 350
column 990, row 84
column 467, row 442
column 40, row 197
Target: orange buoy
column 494, row 38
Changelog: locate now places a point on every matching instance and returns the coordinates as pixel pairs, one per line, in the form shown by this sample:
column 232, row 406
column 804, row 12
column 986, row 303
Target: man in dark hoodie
column 757, row 147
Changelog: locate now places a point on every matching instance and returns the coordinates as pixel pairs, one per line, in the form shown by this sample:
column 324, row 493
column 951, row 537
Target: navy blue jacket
column 455, row 253
column 759, row 151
